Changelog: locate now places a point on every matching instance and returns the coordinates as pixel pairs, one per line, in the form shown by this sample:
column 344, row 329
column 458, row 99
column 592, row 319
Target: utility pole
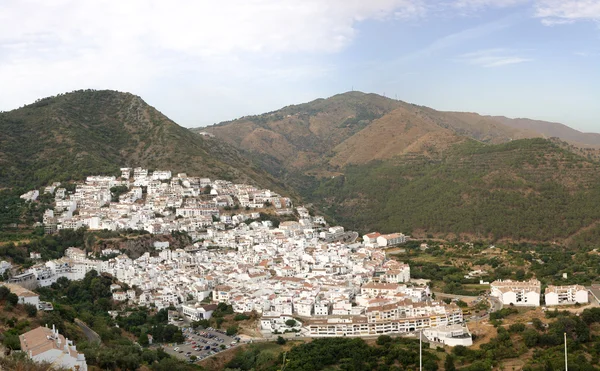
column 566, row 364
column 283, row 364
column 421, row 350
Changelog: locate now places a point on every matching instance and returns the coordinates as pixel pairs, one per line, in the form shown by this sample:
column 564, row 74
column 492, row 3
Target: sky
column 202, row 62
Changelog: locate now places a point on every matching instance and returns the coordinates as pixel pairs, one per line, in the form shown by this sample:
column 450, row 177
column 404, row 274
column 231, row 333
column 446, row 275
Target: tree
column 31, row 310
column 449, row 363
column 232, row 330
column 530, row 337
column 538, row 324
column 12, row 299
column 384, row 339
column 281, row 340
column 11, row 341
column 143, row 339
column 462, row 304
column 4, row 291
column 290, row 323
column 516, row 327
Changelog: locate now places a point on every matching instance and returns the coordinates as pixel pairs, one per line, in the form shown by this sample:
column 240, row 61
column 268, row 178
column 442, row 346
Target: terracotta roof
column 20, row 291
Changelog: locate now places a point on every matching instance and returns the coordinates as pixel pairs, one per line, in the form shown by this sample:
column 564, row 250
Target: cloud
column 554, row 12
column 480, row 4
column 48, row 47
column 492, row 58
column 459, row 38
column 200, row 27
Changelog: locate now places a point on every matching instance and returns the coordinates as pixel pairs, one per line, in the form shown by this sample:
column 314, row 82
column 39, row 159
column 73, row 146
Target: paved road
column 346, row 237
column 495, row 304
column 89, row 333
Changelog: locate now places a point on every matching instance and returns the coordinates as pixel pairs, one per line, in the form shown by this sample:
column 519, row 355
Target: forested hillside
column 524, row 190
column 73, row 135
column 374, row 163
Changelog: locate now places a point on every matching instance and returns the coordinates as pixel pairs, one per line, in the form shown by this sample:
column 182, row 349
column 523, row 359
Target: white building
column 161, row 175
column 370, row 239
column 125, row 173
column 119, row 296
column 25, row 296
column 31, row 195
column 4, row 266
column 564, row 295
column 197, row 312
column 518, row 293
column 390, row 239
column 322, row 308
column 452, row 335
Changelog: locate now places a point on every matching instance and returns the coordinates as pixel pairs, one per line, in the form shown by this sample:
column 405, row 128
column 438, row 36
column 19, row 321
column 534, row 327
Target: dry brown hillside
column 552, row 129
column 356, row 128
column 300, row 135
column 398, row 132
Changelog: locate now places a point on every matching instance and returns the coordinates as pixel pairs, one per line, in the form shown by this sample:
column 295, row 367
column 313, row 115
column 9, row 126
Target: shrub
column 516, row 328
column 31, row 310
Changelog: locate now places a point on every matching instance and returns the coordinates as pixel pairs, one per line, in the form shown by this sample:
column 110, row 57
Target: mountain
column 73, row 135
column 552, row 129
column 373, row 163
column 529, row 189
column 353, row 127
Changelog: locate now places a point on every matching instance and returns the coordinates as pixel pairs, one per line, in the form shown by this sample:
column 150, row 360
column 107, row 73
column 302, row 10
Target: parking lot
column 201, row 343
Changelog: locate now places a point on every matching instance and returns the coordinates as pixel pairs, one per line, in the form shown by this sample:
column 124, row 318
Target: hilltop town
column 299, row 276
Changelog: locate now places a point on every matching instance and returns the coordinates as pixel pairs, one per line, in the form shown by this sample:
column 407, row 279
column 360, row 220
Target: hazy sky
column 202, row 62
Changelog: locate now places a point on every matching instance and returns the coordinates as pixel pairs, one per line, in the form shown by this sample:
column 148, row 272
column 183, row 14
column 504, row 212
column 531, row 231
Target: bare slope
column 552, row 129
column 299, row 135
column 356, row 128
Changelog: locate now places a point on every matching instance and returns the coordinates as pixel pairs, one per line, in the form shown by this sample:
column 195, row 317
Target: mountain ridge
column 398, row 166
column 72, row 135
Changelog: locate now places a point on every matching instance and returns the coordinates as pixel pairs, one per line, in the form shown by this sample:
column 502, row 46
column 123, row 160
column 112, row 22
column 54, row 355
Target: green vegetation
column 21, row 362
column 546, row 345
column 117, row 191
column 336, row 353
column 89, row 132
column 525, row 189
column 90, row 300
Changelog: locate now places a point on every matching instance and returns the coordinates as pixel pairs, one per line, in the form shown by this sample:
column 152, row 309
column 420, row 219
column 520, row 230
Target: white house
column 47, row 345
column 370, row 239
column 322, row 308
column 25, row 296
column 564, row 295
column 75, row 253
column 451, row 335
column 4, row 265
column 390, row 239
column 197, row 312
column 304, row 307
column 222, row 293
column 518, row 293
column 119, row 296
column 31, row 195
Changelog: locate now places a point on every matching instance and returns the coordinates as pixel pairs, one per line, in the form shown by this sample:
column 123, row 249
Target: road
column 346, row 237
column 89, row 333
column 495, row 304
